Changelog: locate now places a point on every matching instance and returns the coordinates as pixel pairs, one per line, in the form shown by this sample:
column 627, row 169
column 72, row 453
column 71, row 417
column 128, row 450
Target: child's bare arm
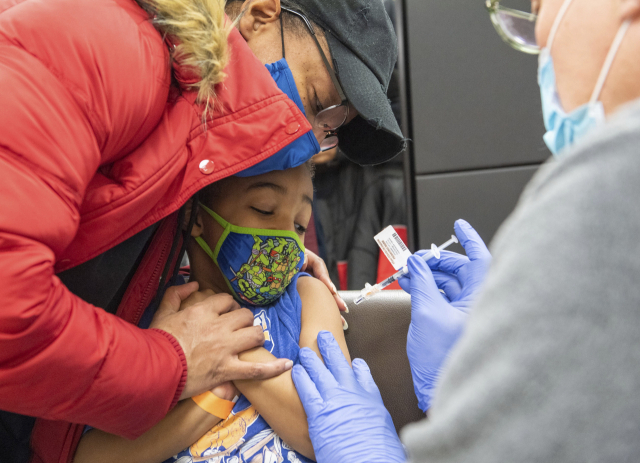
column 276, row 399
column 319, row 312
column 182, row 426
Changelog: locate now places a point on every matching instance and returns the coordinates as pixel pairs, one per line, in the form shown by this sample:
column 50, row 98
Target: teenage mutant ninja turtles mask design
column 257, row 264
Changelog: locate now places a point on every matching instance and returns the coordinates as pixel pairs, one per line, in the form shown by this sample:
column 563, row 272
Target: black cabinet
column 473, row 114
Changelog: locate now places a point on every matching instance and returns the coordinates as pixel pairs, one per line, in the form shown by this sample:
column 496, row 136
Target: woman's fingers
column 447, row 283
column 195, row 297
column 173, row 298
column 226, row 391
column 239, row 370
column 309, row 395
column 470, row 240
column 335, row 360
column 246, row 338
column 449, row 262
column 363, row 375
column 405, row 283
column 319, row 374
column 340, row 302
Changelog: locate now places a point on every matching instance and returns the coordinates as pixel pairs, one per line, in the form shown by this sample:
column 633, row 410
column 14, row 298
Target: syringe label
column 392, row 246
column 399, row 241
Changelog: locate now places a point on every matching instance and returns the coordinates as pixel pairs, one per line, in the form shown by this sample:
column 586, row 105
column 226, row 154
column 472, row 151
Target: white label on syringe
column 391, row 244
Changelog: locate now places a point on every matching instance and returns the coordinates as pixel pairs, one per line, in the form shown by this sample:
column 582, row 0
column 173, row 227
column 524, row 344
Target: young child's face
column 279, row 200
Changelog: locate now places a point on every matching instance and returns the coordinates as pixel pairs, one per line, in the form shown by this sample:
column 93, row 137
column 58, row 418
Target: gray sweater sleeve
column 548, row 369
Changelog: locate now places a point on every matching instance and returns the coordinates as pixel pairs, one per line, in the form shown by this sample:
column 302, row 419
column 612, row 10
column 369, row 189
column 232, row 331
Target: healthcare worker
column 114, row 113
column 547, row 367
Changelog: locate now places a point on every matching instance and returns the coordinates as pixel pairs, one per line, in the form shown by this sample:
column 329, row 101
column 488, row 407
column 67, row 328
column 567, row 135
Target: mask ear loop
column 195, row 204
column 606, row 67
column 556, row 24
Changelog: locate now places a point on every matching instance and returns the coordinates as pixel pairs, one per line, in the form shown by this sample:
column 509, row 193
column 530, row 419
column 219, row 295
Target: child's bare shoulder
column 319, row 313
column 312, row 287
column 315, row 293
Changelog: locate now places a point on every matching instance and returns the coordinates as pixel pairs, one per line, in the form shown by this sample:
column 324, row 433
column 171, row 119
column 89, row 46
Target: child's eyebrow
column 273, row 186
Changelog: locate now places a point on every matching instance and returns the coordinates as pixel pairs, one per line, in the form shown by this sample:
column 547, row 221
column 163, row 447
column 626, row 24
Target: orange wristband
column 213, row 404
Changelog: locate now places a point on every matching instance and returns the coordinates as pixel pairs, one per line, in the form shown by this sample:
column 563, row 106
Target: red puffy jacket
column 90, row 154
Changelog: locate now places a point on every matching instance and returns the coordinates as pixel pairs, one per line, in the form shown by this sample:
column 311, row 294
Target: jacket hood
column 197, row 33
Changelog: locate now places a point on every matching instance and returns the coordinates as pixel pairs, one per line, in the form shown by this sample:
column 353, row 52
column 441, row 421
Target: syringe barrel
column 387, row 281
column 393, row 278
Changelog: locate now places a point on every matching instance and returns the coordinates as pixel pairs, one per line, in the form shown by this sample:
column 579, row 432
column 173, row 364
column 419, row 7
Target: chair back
column 377, row 334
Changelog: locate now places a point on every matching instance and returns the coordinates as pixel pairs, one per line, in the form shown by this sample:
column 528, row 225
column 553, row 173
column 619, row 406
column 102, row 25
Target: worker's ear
column 629, row 9
column 196, row 230
column 258, row 18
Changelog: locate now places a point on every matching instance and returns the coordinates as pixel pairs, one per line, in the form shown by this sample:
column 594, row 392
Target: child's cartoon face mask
column 257, row 264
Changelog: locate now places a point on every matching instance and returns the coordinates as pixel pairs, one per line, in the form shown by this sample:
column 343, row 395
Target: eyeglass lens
column 326, row 122
column 329, row 142
column 331, row 118
column 520, row 30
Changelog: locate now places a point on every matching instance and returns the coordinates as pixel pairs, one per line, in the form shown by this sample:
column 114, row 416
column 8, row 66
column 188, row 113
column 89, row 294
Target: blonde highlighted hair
column 200, row 31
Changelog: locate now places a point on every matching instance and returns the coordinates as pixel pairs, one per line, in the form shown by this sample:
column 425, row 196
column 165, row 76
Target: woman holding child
column 119, row 113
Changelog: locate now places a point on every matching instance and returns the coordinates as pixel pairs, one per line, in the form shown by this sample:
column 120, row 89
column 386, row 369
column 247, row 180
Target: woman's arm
column 182, row 426
column 276, row 399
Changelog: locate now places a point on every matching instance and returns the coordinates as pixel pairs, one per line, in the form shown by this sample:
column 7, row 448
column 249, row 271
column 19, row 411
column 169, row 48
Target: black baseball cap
column 364, row 49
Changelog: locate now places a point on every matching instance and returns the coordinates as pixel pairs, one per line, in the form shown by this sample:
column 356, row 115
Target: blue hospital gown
column 245, row 436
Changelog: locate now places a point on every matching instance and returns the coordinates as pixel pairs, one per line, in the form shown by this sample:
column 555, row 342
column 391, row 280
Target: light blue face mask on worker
column 564, row 129
column 301, row 149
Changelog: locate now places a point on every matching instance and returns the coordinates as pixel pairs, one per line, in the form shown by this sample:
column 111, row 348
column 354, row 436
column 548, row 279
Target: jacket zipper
column 155, row 276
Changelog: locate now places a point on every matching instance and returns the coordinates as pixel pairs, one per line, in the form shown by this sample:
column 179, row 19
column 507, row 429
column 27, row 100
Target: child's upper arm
column 319, row 312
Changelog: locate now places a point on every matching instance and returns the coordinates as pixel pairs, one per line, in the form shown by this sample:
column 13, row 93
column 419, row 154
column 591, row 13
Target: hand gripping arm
column 347, row 419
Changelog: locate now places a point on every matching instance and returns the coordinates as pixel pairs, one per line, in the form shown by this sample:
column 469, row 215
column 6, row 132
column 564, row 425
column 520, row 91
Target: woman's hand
column 226, row 391
column 346, row 415
column 317, row 268
column 437, row 320
column 195, row 298
column 212, row 331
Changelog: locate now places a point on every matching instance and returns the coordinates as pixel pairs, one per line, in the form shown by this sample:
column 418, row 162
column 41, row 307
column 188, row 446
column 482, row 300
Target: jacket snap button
column 207, row 167
column 292, row 128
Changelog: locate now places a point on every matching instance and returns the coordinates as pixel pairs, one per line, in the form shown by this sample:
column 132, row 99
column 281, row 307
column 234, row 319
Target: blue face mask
column 257, row 264
column 300, row 150
column 564, row 129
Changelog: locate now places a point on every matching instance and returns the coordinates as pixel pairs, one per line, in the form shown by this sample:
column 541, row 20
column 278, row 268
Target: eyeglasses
column 330, row 119
column 516, row 27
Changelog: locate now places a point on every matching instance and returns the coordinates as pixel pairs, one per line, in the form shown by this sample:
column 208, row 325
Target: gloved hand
column 437, row 319
column 347, row 419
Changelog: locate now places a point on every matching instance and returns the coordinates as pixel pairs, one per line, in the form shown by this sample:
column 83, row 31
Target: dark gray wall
column 474, row 115
column 484, row 198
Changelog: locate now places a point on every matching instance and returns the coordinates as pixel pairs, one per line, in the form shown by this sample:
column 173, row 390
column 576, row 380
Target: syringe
column 369, row 290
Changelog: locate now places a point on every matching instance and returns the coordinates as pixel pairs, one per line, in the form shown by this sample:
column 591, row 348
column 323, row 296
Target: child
column 247, row 242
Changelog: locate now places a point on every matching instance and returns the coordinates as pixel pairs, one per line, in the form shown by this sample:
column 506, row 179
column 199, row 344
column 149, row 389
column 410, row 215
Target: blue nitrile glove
column 437, row 320
column 347, row 419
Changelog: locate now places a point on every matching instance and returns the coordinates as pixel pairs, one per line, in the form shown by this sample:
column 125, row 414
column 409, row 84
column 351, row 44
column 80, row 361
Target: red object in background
column 343, row 267
column 91, row 155
column 385, row 269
